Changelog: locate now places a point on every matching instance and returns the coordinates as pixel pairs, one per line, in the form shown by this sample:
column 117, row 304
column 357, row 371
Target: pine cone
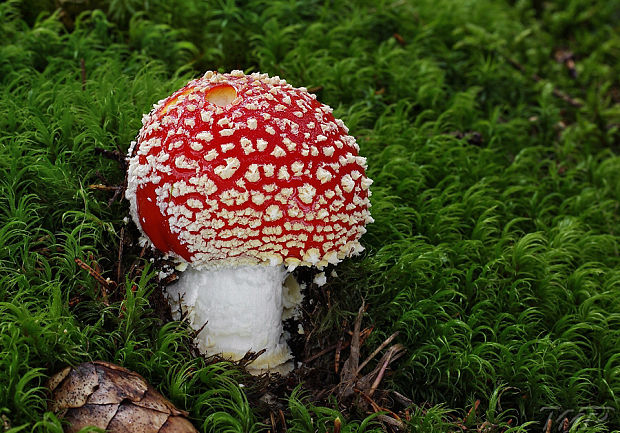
column 111, row 397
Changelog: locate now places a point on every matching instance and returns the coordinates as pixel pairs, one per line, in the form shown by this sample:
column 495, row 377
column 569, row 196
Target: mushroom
column 242, row 178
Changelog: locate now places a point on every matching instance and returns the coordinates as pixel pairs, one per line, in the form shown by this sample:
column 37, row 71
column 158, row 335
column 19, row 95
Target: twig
column 392, row 421
column 120, row 254
column 324, row 351
column 250, row 357
column 273, row 422
column 106, row 283
column 282, row 420
column 364, row 334
column 199, row 330
column 405, row 401
column 377, row 350
column 116, row 195
column 379, row 377
column 337, row 355
column 368, row 399
column 565, row 425
column 348, row 374
column 103, row 187
column 135, row 263
column 353, row 360
column 374, row 404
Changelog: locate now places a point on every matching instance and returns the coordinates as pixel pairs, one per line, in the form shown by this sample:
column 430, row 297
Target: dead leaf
column 110, row 397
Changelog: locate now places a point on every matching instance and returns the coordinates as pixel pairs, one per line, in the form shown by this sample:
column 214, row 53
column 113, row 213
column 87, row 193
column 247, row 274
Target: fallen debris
column 113, row 398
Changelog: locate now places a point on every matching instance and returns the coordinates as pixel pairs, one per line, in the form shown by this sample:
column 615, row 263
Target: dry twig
column 106, row 283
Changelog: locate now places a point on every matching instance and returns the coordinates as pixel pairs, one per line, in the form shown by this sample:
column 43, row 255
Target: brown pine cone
column 111, row 397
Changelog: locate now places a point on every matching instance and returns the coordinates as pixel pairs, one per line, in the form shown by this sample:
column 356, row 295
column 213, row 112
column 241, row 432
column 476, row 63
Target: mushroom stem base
column 242, row 310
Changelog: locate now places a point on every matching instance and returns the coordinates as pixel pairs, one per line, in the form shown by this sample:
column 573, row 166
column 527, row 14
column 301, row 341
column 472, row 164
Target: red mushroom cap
column 241, row 169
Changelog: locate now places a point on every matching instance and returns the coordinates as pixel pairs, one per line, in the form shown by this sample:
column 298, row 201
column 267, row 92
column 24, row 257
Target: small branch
column 392, row 421
column 120, row 190
column 394, row 418
column 135, row 263
column 352, row 362
column 272, row 418
column 565, row 425
column 120, row 254
column 199, row 330
column 337, row 356
column 377, row 350
column 324, row 351
column 282, row 420
column 369, row 400
column 250, row 357
column 379, row 377
column 100, row 187
column 106, row 283
column 405, row 401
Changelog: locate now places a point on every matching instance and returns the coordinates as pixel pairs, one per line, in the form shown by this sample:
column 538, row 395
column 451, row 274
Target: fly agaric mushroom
column 244, row 177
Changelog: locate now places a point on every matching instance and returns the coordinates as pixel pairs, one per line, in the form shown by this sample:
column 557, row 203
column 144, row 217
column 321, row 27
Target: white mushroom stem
column 242, row 310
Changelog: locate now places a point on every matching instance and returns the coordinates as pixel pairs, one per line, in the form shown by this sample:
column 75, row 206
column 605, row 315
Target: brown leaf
column 154, row 400
column 134, row 419
column 177, row 424
column 95, row 415
column 117, row 385
column 348, row 374
column 76, row 387
column 55, row 380
column 107, row 396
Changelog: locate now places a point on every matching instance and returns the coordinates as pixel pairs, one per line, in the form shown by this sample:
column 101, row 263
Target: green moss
column 495, row 246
